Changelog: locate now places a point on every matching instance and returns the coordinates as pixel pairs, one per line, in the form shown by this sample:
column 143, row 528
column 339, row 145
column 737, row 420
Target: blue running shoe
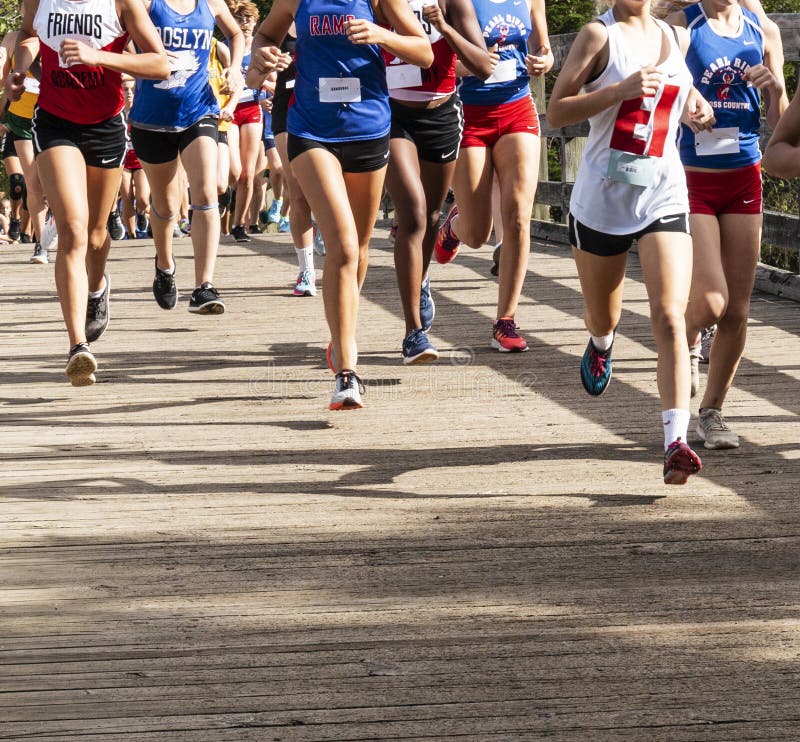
column 427, row 309
column 283, row 224
column 274, row 211
column 596, row 369
column 418, row 349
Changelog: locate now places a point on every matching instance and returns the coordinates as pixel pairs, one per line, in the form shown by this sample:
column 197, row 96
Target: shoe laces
column 305, row 277
column 506, row 327
column 598, row 362
column 79, row 348
column 712, row 420
column 165, row 280
column 348, row 379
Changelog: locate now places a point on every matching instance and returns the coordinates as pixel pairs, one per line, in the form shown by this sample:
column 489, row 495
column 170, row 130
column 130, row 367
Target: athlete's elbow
column 778, row 161
column 555, row 116
column 160, row 67
column 424, row 55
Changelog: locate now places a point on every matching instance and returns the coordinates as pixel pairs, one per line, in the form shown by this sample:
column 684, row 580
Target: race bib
column 339, row 90
column 722, row 141
column 403, row 76
column 506, row 71
column 637, row 170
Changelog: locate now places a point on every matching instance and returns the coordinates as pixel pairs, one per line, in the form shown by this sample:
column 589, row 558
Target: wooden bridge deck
column 196, row 549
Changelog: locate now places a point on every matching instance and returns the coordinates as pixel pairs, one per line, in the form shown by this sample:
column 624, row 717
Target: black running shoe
column 253, row 229
column 81, row 365
column 115, row 226
column 164, row 288
column 239, row 234
column 25, row 238
column 14, row 230
column 206, row 300
column 97, row 313
column 142, row 223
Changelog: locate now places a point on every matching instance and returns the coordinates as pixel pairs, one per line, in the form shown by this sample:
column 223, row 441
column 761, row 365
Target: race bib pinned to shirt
column 722, row 141
column 339, row 90
column 403, row 76
column 505, row 71
column 636, row 170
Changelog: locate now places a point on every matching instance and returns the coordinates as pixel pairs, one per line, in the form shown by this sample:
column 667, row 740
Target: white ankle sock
column 603, row 342
column 169, row 271
column 305, row 258
column 676, row 425
column 97, row 294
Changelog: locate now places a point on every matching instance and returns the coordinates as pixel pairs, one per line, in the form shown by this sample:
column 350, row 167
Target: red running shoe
column 505, row 338
column 446, row 245
column 680, row 462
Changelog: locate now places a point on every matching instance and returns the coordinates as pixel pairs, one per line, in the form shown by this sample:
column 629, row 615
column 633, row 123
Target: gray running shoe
column 694, row 366
column 714, row 431
column 115, row 226
column 347, row 391
column 706, row 338
column 97, row 312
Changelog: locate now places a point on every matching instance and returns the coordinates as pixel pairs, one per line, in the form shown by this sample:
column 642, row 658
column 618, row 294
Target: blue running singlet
column 717, row 64
column 185, row 96
column 340, row 92
column 506, row 23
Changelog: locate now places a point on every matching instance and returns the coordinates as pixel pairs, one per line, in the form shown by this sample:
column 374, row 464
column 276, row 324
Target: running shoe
column 596, row 369
column 25, row 238
column 427, row 308
column 446, row 245
column 253, row 229
column 449, row 200
column 418, row 349
column 141, row 224
column 347, row 391
column 680, row 462
column 97, row 314
column 115, row 227
column 283, row 225
column 239, row 234
column 706, row 338
column 714, row 431
column 263, row 219
column 319, row 243
column 81, row 365
column 164, row 288
column 40, row 255
column 185, row 226
column 505, row 337
column 206, row 300
column 274, row 212
column 225, row 200
column 176, row 231
column 306, row 284
column 49, row 238
column 14, row 230
column 393, row 232
column 694, row 368
column 495, row 269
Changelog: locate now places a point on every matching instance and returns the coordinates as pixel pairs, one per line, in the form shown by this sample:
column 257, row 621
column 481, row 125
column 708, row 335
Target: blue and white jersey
column 718, row 64
column 506, row 23
column 340, row 92
column 248, row 95
column 185, row 96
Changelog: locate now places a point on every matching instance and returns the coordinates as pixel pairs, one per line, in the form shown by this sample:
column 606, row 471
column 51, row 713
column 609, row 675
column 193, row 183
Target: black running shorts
column 606, row 245
column 102, row 145
column 364, row 156
column 436, row 132
column 8, row 149
column 158, row 147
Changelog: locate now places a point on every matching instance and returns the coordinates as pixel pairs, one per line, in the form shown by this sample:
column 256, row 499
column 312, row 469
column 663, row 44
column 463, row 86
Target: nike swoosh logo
column 447, row 154
column 747, row 200
column 749, row 43
column 664, row 220
column 108, row 161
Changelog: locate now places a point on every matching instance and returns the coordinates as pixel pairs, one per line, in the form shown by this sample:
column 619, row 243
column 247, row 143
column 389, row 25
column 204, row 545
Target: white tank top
column 645, row 127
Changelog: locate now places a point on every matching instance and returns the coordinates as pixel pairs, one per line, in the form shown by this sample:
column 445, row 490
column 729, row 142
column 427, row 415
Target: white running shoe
column 347, row 391
column 306, row 284
column 49, row 238
column 39, row 254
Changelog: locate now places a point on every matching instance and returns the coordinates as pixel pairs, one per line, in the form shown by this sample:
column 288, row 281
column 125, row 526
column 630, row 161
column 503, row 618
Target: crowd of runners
column 162, row 117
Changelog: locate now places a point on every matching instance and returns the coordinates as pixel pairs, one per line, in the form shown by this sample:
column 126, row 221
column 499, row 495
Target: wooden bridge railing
column 780, row 229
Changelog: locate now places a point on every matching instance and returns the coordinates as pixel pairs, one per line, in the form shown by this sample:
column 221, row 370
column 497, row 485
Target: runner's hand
column 432, row 13
column 760, row 77
column 73, row 51
column 641, row 84
column 15, row 85
column 698, row 114
column 539, row 63
column 361, row 31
